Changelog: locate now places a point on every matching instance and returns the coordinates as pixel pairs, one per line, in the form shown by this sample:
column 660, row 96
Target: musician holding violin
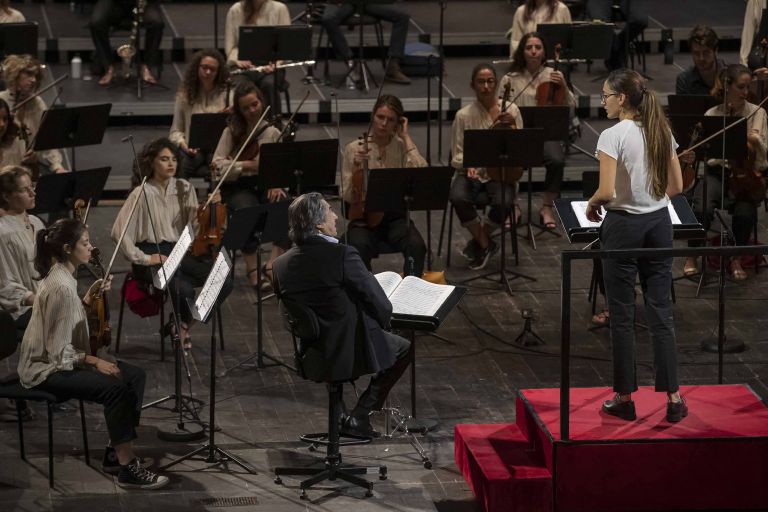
column 745, row 182
column 168, row 205
column 237, row 191
column 23, row 75
column 387, row 144
column 535, row 84
column 469, row 184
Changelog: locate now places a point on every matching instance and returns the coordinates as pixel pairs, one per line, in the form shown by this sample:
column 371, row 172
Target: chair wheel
column 278, row 480
column 428, row 464
column 303, row 495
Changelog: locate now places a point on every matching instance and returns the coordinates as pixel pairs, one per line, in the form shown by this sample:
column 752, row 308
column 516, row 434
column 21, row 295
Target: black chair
column 303, row 326
column 11, row 388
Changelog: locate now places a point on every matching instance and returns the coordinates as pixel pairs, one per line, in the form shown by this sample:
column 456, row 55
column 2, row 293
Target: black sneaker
column 470, row 250
column 676, row 410
column 133, row 476
column 110, row 464
column 620, row 408
column 481, row 260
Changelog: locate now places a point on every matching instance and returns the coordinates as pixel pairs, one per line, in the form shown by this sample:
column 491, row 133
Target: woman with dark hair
column 56, row 354
column 204, row 90
column 533, row 12
column 471, row 182
column 12, row 148
column 639, row 172
column 168, row 205
column 390, row 146
column 237, row 192
column 18, row 278
column 732, row 88
column 528, row 72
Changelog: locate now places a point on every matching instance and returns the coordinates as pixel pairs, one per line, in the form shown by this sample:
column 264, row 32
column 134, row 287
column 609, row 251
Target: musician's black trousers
column 375, row 395
column 393, row 232
column 110, row 13
column 121, row 397
column 334, row 15
column 621, row 230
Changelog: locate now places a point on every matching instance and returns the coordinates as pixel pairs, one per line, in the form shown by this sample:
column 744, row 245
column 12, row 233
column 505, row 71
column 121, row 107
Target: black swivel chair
column 304, row 327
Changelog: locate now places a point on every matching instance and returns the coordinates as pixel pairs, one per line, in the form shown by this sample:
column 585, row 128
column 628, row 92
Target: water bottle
column 76, row 71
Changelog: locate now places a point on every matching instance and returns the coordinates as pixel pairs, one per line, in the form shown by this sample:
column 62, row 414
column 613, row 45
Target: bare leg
column 125, row 453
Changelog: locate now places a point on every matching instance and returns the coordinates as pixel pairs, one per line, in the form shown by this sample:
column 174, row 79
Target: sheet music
column 415, row 296
column 580, row 210
column 160, row 277
column 205, row 302
column 388, row 281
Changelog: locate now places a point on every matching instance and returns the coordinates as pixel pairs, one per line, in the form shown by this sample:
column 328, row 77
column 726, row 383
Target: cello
column 549, row 93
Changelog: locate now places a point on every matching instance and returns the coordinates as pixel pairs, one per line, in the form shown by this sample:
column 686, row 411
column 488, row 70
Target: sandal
column 601, row 319
column 147, row 76
column 690, row 268
column 108, row 77
column 548, row 223
column 737, row 272
column 264, row 282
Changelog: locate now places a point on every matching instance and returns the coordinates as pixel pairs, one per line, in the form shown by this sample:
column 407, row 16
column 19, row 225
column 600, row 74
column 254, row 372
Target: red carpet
column 715, row 459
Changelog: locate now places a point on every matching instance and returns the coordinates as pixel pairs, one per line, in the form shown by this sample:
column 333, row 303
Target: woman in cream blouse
column 531, row 13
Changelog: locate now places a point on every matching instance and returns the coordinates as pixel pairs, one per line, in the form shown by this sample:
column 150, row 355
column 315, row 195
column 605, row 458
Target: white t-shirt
column 625, row 143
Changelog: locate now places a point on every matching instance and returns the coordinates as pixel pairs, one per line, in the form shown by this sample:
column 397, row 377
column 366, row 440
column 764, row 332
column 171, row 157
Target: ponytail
column 50, row 242
column 656, row 130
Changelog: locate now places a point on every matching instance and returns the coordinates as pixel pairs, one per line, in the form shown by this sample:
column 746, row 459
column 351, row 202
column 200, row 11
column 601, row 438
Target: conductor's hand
column 276, row 194
column 107, row 368
column 472, row 173
column 593, row 212
column 557, row 78
column 157, row 259
column 505, row 118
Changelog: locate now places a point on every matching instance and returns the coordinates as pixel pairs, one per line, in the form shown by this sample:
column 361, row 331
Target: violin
column 356, row 210
column 689, row 169
column 511, row 175
column 549, row 93
column 211, row 220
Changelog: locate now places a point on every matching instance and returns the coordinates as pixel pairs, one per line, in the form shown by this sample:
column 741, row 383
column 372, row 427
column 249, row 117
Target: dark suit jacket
column 352, row 309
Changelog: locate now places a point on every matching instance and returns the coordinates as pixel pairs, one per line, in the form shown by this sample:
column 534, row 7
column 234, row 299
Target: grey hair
column 304, row 215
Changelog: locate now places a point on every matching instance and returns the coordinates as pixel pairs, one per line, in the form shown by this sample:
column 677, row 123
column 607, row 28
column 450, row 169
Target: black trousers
column 554, row 163
column 237, row 196
column 621, row 230
column 109, row 13
column 191, row 274
column 393, row 231
column 197, row 166
column 375, row 395
column 21, row 324
column 121, row 397
column 334, row 15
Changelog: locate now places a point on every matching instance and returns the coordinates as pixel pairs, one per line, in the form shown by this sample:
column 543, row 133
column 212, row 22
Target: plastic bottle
column 76, row 70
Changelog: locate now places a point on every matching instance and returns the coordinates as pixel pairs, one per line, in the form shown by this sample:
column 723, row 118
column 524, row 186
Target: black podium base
column 173, row 433
column 729, row 347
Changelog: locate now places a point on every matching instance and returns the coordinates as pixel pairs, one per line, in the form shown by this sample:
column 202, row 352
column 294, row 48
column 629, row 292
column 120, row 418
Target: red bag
column 143, row 299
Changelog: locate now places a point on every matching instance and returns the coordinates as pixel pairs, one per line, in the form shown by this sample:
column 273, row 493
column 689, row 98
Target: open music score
column 580, row 210
column 413, row 296
column 205, row 302
column 160, row 277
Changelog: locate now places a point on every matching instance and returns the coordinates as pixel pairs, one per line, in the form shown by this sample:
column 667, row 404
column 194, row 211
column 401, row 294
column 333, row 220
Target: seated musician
column 18, row 278
column 390, row 146
column 12, row 148
column 336, row 12
column 751, row 53
column 353, row 311
column 528, row 72
column 23, row 75
column 532, row 12
column 110, row 13
column 238, row 191
column 262, row 13
column 168, row 206
column 204, row 90
column 8, row 14
column 700, row 78
column 739, row 198
column 484, row 113
column 56, row 354
column 636, row 21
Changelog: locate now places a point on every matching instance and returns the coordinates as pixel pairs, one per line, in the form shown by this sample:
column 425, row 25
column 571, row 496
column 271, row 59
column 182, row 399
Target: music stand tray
column 73, row 127
column 408, row 189
column 205, row 130
column 269, row 44
column 578, row 40
column 302, row 166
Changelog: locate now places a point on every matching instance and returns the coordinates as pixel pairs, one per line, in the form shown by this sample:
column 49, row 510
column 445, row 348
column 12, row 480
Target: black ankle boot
column 676, row 410
column 621, row 409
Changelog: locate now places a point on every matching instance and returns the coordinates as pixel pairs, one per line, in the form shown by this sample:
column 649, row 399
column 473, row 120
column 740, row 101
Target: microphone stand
column 443, row 5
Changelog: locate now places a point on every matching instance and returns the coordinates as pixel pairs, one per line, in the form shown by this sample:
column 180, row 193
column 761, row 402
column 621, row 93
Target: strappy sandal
column 550, row 224
column 601, row 319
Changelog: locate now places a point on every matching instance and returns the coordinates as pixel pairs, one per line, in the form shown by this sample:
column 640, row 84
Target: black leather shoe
column 624, row 410
column 359, row 427
column 343, row 414
column 676, row 410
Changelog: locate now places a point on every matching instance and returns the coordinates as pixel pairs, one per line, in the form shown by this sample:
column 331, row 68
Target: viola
column 211, row 220
column 689, row 169
column 549, row 93
column 356, row 209
column 511, row 175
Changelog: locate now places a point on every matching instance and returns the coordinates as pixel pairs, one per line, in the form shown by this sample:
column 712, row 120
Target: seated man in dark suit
column 353, row 312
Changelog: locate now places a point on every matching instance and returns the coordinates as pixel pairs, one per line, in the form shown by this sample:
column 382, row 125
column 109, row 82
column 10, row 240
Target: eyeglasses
column 604, row 96
column 489, row 81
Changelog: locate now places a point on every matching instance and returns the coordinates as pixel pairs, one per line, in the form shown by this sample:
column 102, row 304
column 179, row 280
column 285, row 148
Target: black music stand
column 271, row 44
column 205, row 130
column 554, row 120
column 690, row 104
column 262, row 224
column 18, row 38
column 302, row 166
column 72, row 127
column 58, row 192
column 504, row 149
column 588, row 41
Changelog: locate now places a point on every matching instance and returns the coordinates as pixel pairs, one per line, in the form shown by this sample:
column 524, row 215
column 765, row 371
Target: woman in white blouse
column 56, row 354
column 168, row 205
column 8, row 14
column 204, row 89
column 18, row 278
column 639, row 172
column 531, row 13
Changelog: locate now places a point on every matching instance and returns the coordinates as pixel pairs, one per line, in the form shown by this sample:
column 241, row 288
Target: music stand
column 270, row 44
column 264, row 223
column 57, row 192
column 72, row 127
column 504, row 149
column 554, row 120
column 205, row 130
column 18, row 39
column 587, row 41
column 690, row 104
column 302, row 166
